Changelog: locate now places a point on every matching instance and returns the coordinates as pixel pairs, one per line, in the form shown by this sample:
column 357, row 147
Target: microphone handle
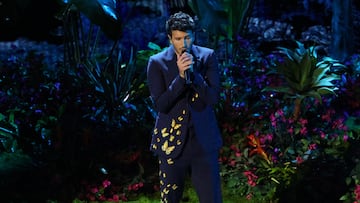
column 187, row 74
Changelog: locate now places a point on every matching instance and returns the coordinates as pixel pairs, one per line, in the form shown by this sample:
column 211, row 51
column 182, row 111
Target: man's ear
column 193, row 39
column 169, row 37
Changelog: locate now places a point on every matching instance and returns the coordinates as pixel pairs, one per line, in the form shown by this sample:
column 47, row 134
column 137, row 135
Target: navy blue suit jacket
column 182, row 106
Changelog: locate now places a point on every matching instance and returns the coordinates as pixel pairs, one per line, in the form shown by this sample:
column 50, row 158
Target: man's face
column 181, row 40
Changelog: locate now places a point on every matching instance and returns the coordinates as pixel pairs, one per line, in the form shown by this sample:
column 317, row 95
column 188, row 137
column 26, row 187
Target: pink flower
column 303, row 131
column 232, row 163
column 94, row 190
column 269, row 137
column 262, row 140
column 303, row 122
column 106, row 183
column 273, row 120
column 322, row 135
column 312, row 146
column 234, row 148
column 249, row 196
column 327, row 116
column 252, row 183
column 251, row 178
column 291, row 130
column 135, row 186
column 299, row 160
column 357, row 192
column 280, row 112
column 116, row 197
column 338, row 124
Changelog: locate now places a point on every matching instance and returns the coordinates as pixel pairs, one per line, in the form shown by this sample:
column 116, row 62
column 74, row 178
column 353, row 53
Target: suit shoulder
column 159, row 55
column 202, row 49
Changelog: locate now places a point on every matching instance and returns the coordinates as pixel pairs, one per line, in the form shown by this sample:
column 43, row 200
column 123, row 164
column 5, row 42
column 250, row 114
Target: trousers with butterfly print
column 197, row 165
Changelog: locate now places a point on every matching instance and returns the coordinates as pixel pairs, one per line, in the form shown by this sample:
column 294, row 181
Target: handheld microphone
column 188, row 72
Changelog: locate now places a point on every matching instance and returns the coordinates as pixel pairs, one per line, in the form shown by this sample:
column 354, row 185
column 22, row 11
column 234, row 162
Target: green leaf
column 282, row 89
column 326, row 90
column 319, row 73
column 154, row 46
column 305, row 66
column 211, row 14
column 102, row 13
column 325, row 82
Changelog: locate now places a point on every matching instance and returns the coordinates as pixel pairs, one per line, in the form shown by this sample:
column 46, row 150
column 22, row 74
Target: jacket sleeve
column 207, row 84
column 165, row 90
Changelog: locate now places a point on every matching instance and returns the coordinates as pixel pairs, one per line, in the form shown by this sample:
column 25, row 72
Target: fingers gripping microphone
column 188, row 73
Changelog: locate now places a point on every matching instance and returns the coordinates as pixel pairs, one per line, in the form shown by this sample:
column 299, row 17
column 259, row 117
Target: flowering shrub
column 104, row 192
column 353, row 195
column 275, row 149
column 108, row 192
column 267, row 150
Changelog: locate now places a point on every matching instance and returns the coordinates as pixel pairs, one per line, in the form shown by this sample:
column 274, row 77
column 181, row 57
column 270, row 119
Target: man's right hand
column 184, row 62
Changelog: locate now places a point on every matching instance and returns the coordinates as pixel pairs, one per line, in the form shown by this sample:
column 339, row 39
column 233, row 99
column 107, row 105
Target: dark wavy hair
column 180, row 21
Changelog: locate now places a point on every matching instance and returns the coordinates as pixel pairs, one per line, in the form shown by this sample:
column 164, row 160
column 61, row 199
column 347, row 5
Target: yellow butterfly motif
column 166, row 148
column 166, row 191
column 170, row 161
column 174, row 125
column 164, row 133
column 196, row 95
